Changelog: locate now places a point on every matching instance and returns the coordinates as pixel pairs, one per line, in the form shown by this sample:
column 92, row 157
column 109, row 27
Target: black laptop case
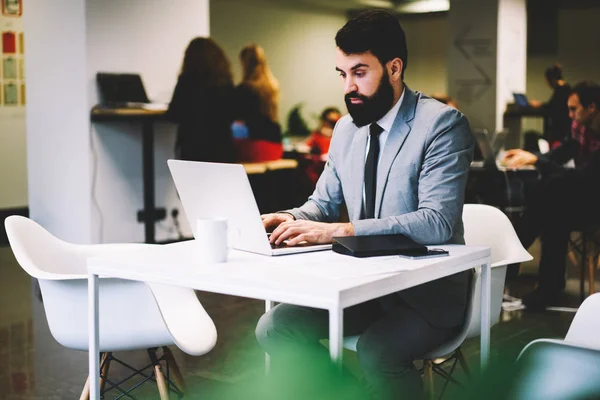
column 377, row 245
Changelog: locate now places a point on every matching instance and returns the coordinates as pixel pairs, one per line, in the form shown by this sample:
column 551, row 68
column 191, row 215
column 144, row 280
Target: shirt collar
column 387, row 120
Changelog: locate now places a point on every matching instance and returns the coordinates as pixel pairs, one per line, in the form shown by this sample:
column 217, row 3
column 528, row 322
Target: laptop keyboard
column 284, row 244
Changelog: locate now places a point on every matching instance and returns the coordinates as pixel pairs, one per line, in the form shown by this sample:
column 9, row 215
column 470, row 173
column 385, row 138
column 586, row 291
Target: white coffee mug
column 211, row 240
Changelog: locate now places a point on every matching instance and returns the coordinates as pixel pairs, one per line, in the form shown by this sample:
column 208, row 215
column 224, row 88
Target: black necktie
column 371, row 170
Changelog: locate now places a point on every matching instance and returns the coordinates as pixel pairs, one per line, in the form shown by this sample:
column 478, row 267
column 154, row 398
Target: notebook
column 377, row 245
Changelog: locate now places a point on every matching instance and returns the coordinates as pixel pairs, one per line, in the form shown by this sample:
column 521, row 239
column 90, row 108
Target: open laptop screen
column 521, row 100
column 121, row 88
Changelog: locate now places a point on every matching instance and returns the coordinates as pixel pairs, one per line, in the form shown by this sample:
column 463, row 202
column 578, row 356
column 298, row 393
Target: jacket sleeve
column 325, row 202
column 552, row 162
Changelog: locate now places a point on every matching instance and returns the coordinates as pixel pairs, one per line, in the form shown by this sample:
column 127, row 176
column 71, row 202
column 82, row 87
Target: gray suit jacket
column 421, row 181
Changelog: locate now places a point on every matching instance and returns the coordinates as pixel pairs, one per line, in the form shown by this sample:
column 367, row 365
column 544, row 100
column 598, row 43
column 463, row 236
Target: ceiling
column 345, row 5
column 405, row 6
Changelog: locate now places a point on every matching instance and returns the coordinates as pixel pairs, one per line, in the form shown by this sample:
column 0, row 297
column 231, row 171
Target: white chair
column 133, row 315
column 569, row 368
column 484, row 226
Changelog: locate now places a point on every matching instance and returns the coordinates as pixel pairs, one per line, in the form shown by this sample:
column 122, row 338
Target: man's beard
column 374, row 107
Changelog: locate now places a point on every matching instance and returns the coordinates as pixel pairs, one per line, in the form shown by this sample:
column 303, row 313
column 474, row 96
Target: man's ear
column 394, row 67
column 593, row 107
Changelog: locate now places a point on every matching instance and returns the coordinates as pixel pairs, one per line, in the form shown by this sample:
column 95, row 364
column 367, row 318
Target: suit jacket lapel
column 400, row 130
column 357, row 177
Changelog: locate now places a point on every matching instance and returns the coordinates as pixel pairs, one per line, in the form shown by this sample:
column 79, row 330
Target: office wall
column 13, row 169
column 578, row 51
column 58, row 156
column 299, row 44
column 146, row 37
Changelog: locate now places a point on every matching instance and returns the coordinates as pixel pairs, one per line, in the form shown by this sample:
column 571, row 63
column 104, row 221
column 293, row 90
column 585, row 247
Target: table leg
column 485, row 313
column 268, row 306
column 148, row 173
column 94, row 338
column 336, row 334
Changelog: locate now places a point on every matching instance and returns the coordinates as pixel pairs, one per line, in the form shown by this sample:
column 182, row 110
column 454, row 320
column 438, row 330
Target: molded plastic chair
column 484, row 226
column 560, row 369
column 133, row 315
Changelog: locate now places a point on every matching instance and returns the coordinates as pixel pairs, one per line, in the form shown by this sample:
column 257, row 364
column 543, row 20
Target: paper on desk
column 331, row 265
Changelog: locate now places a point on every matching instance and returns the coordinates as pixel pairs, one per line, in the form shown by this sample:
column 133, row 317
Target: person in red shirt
column 318, row 142
column 319, row 139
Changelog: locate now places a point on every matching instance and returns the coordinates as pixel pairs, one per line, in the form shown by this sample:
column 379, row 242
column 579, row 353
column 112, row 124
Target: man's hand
column 517, row 158
column 310, row 231
column 271, row 221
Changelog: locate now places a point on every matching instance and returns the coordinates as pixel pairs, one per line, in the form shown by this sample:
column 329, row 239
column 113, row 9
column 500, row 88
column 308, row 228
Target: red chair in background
column 251, row 151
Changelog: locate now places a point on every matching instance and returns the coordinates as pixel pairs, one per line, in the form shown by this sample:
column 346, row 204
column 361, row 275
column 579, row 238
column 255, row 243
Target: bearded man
column 400, row 162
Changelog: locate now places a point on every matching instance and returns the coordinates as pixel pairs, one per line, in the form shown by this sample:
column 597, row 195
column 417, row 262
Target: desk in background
column 149, row 214
column 513, row 123
column 323, row 279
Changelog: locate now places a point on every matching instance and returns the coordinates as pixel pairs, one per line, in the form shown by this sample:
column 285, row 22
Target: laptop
column 484, row 151
column 521, row 100
column 119, row 90
column 209, row 190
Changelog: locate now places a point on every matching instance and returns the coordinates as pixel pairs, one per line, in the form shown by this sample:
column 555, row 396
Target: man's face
column 367, row 89
column 578, row 112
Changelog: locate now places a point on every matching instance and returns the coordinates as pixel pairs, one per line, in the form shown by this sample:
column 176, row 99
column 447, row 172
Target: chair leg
column 105, row 365
column 177, row 377
column 428, row 379
column 582, row 271
column 163, row 389
column 85, row 393
column 591, row 269
column 463, row 363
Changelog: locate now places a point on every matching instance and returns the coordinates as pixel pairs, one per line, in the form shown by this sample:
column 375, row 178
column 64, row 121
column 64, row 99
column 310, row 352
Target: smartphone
column 432, row 253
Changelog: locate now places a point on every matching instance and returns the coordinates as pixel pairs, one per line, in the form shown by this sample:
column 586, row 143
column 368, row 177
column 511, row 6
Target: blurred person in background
column 257, row 107
column 556, row 110
column 319, row 140
column 567, row 198
column 201, row 104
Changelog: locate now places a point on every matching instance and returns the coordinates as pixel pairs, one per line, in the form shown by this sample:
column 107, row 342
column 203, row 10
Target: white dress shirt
column 385, row 123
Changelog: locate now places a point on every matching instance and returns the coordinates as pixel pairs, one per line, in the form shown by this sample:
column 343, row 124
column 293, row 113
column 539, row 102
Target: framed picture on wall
column 9, row 66
column 12, row 8
column 11, row 94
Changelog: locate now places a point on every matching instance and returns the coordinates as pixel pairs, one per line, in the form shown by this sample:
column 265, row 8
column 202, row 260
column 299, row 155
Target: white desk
column 323, row 280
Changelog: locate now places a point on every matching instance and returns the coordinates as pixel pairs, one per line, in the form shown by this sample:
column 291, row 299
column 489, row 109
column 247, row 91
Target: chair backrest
column 488, row 226
column 132, row 315
column 553, row 369
column 39, row 253
column 585, row 328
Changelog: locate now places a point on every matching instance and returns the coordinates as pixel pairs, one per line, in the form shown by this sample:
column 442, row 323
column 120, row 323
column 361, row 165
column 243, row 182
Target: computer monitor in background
column 483, row 148
column 521, row 100
column 499, row 140
column 121, row 89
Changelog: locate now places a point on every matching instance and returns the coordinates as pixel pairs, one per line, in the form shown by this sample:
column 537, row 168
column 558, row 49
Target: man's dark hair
column 327, row 111
column 588, row 93
column 376, row 31
column 554, row 73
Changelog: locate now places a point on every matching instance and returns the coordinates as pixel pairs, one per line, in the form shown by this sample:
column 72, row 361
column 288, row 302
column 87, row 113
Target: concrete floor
column 34, row 366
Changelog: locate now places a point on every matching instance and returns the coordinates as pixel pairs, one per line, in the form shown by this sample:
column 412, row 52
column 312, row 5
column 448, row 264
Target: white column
column 57, row 117
column 487, row 57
